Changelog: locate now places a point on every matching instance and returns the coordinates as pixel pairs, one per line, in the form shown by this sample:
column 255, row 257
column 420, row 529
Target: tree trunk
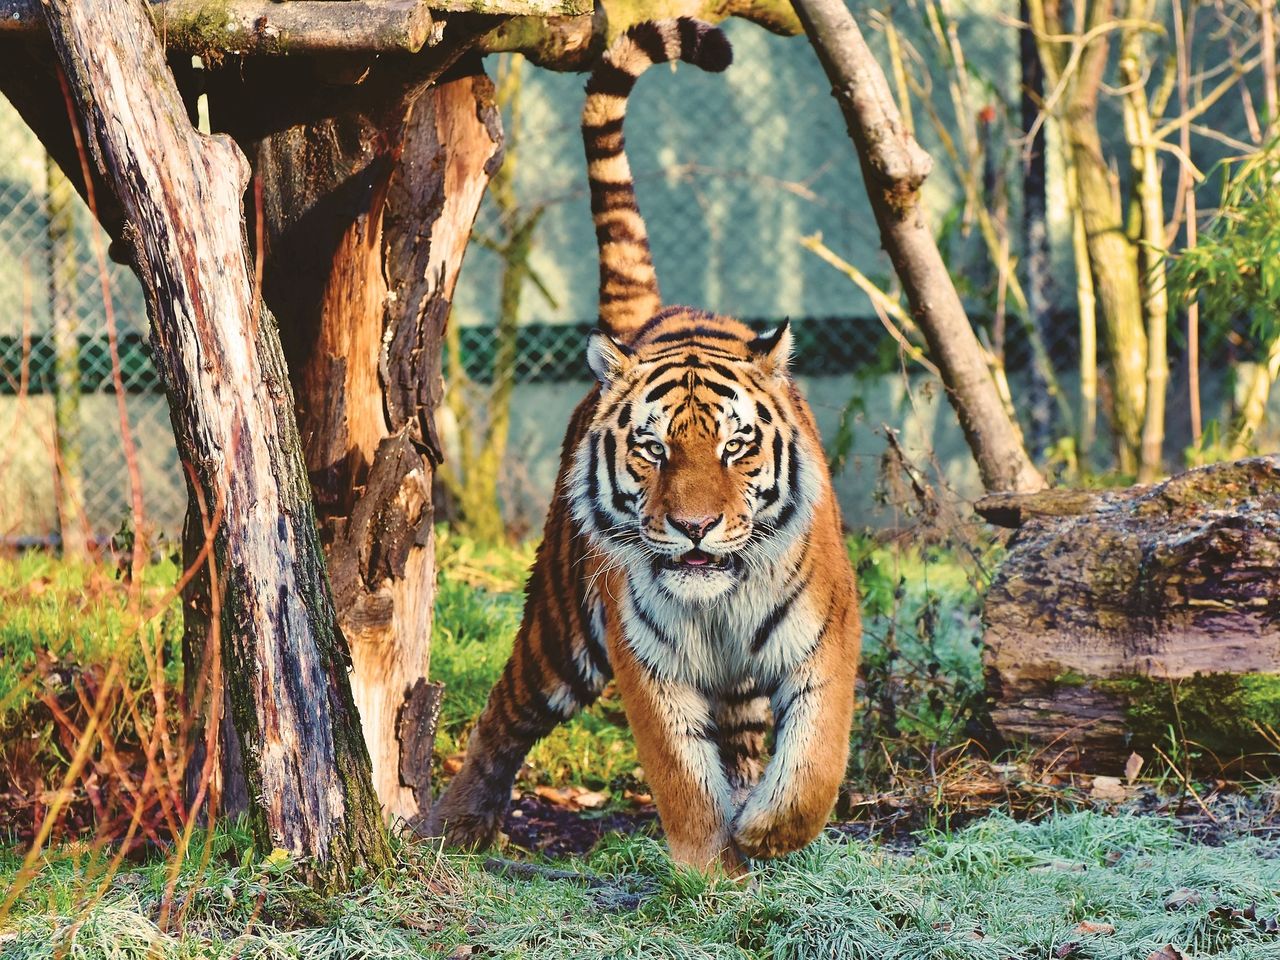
column 1151, row 616
column 1035, row 234
column 893, row 168
column 366, row 216
column 1113, row 259
column 218, row 352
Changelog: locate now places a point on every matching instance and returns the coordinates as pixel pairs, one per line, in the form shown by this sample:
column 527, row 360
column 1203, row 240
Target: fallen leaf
column 561, row 798
column 1066, row 950
column 638, row 799
column 591, row 799
column 1249, row 914
column 1088, row 926
column 1181, row 898
column 1168, row 952
column 1132, row 767
column 1108, row 788
column 452, row 764
column 461, row 950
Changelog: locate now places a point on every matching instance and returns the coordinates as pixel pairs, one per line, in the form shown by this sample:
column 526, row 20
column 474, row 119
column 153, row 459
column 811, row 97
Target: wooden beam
column 267, row 27
column 567, row 42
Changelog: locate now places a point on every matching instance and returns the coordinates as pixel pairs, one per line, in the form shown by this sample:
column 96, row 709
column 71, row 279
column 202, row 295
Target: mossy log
column 1123, row 620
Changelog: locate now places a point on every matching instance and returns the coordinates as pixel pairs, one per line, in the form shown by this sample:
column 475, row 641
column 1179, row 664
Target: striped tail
column 628, row 284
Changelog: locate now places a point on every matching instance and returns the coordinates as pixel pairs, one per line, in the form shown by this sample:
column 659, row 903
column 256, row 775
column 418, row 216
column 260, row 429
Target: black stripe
column 745, row 726
column 690, row 39
column 739, row 697
column 612, row 196
column 622, row 502
column 557, row 650
column 769, row 497
column 793, row 471
column 616, row 232
column 533, row 678
column 602, row 150
column 774, row 620
column 661, row 390
column 648, row 37
column 624, row 417
column 723, row 389
column 609, row 78
column 688, row 333
column 652, row 627
column 609, row 128
column 763, row 413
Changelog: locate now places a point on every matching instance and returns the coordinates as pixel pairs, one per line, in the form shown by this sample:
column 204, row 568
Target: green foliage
column 77, row 614
column 1234, row 268
column 921, row 666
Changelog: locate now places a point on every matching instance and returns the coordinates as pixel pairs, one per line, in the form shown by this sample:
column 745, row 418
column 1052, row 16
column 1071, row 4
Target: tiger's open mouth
column 699, row 561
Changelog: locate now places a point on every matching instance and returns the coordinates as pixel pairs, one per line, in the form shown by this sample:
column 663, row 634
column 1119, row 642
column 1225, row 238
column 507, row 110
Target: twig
column 1185, row 782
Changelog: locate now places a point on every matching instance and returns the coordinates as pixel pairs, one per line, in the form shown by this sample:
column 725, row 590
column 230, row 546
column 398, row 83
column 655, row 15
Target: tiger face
column 692, row 470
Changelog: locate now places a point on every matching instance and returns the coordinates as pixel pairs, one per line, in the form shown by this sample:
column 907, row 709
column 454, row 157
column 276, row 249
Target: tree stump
column 1123, row 620
column 367, row 205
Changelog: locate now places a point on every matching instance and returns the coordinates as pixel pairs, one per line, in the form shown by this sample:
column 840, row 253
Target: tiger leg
column 742, row 720
column 558, row 667
column 813, row 711
column 674, row 729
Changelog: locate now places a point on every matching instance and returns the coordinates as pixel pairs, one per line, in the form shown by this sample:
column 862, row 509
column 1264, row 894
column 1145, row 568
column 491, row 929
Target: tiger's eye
column 654, row 449
column 733, row 446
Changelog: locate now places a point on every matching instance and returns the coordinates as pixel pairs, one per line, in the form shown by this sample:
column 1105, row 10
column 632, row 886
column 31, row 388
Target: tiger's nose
column 695, row 528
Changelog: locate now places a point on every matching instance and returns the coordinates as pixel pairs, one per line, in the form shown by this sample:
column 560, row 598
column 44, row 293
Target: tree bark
column 893, row 167
column 1035, row 233
column 1127, row 619
column 366, row 216
column 216, row 28
column 218, row 352
column 1113, row 259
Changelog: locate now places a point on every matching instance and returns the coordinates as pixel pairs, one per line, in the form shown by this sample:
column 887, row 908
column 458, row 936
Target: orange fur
column 693, row 550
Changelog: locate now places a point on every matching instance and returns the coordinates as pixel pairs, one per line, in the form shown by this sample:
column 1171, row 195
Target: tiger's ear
column 773, row 349
column 606, row 356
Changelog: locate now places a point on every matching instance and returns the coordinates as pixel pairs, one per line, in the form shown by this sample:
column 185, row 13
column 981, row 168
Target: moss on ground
column 1224, row 715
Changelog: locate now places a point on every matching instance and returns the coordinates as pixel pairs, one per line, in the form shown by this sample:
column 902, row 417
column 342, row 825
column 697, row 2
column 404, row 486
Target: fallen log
column 1127, row 620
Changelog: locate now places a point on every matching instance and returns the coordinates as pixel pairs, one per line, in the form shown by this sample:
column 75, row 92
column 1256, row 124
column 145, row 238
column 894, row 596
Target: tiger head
column 697, row 465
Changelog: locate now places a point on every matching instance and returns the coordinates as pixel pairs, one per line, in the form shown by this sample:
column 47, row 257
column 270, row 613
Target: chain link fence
column 63, row 458
column 733, row 172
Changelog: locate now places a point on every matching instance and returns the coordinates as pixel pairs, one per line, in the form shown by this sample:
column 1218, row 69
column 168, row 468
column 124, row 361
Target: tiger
column 693, row 551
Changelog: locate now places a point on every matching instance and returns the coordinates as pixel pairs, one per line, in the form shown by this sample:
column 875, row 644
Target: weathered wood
column 219, row 354
column 366, row 216
column 1120, row 619
column 574, row 42
column 268, row 27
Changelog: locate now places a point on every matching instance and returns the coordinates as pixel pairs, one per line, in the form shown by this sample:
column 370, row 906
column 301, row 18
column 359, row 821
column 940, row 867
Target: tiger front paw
column 763, row 830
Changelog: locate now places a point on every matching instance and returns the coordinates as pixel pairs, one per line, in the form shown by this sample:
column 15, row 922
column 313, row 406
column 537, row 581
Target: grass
column 995, row 890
